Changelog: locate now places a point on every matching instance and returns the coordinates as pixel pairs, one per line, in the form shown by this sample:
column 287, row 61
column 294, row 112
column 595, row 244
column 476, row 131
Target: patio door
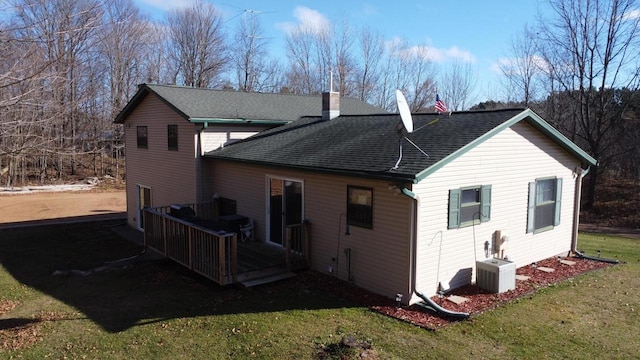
column 144, row 201
column 285, row 204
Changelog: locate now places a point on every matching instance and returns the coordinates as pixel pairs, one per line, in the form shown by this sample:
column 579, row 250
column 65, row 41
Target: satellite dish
column 407, row 121
column 405, row 113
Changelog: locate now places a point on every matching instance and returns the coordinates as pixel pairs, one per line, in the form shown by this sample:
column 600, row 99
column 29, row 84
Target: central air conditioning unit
column 496, row 275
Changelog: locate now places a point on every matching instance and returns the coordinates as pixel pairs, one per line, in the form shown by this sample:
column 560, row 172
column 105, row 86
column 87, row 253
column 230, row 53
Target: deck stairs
column 264, row 276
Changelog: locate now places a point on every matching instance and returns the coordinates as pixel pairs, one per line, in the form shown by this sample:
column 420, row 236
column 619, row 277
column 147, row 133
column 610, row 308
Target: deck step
column 260, row 273
column 267, row 279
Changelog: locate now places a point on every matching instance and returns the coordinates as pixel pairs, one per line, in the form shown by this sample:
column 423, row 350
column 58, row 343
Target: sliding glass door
column 285, row 207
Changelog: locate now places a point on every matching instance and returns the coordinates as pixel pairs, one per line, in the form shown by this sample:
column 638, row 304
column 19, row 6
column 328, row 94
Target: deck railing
column 204, row 210
column 209, row 253
column 297, row 242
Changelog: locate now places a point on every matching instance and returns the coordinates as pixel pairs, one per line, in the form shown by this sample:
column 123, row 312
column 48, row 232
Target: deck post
column 164, row 235
column 234, row 258
column 221, row 260
column 144, row 231
column 306, row 235
column 287, row 252
column 190, row 245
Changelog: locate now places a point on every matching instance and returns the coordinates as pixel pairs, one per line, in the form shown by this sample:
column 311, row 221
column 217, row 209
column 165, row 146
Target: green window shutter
column 454, row 208
column 531, row 213
column 485, row 203
column 556, row 219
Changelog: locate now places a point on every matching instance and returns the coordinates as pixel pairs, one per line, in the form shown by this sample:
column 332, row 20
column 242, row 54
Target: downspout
column 576, row 219
column 581, row 173
column 427, row 302
column 413, row 241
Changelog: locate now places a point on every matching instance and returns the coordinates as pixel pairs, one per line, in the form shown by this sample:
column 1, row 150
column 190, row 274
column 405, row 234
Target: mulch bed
column 479, row 300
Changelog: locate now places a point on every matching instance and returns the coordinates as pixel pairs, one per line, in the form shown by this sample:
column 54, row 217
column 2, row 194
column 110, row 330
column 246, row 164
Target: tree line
column 69, row 66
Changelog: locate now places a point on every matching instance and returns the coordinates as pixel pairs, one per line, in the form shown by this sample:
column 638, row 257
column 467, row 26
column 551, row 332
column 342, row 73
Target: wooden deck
column 218, row 255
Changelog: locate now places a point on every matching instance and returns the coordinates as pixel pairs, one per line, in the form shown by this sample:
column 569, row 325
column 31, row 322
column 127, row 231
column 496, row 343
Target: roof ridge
column 245, row 92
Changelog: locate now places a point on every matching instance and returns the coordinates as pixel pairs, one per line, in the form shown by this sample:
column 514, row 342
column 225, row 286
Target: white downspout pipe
column 581, row 173
column 413, row 242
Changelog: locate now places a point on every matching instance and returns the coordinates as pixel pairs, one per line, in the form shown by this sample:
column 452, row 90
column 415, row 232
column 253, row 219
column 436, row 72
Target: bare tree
column 590, row 46
column 303, row 77
column 123, row 46
column 65, row 33
column 409, row 69
column 197, row 44
column 158, row 65
column 524, row 68
column 342, row 62
column 254, row 69
column 371, row 50
column 456, row 85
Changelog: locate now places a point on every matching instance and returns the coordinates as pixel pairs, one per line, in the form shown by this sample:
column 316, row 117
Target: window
column 360, row 206
column 469, row 206
column 142, row 136
column 172, row 137
column 544, row 204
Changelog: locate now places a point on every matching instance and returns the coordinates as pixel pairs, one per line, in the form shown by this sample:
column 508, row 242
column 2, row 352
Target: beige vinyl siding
column 215, row 136
column 170, row 174
column 379, row 256
column 508, row 162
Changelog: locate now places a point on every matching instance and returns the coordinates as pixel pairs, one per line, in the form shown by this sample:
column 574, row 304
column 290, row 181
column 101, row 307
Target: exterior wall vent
column 496, row 275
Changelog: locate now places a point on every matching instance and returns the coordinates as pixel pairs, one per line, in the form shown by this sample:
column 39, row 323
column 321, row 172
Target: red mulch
column 479, row 299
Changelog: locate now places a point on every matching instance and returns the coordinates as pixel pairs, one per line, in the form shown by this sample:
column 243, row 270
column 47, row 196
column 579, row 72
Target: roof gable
column 205, row 105
column 369, row 145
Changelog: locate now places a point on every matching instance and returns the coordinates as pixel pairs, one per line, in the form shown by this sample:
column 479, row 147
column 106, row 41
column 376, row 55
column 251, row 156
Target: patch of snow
column 45, row 188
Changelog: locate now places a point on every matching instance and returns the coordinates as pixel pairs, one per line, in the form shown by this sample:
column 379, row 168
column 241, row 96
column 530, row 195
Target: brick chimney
column 330, row 105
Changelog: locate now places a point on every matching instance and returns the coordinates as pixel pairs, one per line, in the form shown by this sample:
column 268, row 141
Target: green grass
column 157, row 310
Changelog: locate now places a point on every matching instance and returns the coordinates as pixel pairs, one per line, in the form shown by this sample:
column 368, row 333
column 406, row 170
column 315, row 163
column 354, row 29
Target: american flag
column 440, row 105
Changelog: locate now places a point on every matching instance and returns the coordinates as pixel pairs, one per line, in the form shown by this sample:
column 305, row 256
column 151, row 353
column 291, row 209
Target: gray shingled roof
column 200, row 104
column 368, row 145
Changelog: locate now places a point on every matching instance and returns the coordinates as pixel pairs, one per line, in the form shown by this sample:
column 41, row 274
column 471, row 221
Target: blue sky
column 474, row 32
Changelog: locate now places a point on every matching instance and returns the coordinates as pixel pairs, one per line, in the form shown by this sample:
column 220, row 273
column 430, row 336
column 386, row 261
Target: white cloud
column 307, row 19
column 632, row 15
column 431, row 53
column 165, row 5
column 512, row 64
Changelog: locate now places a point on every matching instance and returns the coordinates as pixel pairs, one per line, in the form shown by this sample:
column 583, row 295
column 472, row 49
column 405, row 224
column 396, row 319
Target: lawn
column 154, row 309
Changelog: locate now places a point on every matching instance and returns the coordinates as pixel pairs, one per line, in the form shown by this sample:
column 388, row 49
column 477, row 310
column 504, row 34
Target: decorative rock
column 546, row 269
column 457, row 299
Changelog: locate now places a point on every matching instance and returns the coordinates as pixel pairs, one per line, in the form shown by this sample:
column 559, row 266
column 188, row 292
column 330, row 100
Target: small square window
column 360, row 206
column 172, row 137
column 142, row 136
column 469, row 206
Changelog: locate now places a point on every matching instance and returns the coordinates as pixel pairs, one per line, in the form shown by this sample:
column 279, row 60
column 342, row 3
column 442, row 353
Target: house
column 400, row 213
column 167, row 129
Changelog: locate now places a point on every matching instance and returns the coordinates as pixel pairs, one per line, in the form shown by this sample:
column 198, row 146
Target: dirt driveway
column 19, row 208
